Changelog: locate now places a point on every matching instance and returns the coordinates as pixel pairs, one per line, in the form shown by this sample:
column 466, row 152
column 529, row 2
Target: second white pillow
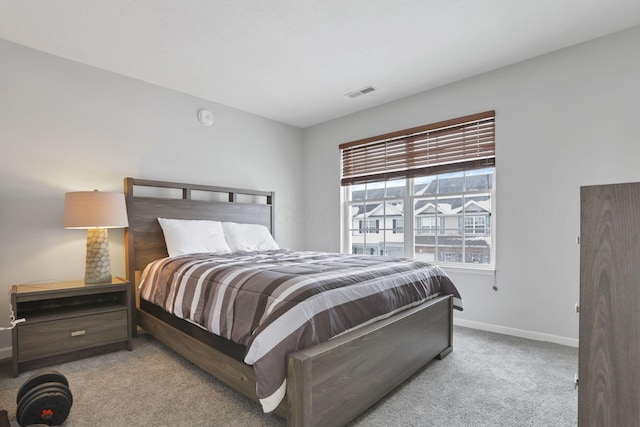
column 248, row 237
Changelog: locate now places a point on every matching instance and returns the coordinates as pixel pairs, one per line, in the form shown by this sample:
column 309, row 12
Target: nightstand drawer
column 60, row 336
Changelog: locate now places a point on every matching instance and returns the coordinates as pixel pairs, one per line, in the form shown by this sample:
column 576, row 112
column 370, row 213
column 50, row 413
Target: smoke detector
column 205, row 117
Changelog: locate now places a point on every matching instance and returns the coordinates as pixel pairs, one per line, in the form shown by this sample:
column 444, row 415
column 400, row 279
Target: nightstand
column 68, row 321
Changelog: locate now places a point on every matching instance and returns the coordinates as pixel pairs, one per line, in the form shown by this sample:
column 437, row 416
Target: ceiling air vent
column 362, row 91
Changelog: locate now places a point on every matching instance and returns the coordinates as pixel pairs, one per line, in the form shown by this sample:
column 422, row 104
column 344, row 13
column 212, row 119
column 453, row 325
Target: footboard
column 332, row 383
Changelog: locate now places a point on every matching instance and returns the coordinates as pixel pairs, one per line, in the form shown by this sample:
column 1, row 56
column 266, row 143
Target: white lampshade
column 88, row 209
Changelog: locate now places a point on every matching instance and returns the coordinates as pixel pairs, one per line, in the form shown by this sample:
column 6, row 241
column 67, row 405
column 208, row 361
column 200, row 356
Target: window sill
column 485, row 270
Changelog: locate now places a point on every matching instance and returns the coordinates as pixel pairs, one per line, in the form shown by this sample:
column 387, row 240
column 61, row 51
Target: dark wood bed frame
column 328, row 384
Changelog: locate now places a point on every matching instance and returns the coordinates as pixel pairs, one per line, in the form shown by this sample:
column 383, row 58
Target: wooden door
column 609, row 353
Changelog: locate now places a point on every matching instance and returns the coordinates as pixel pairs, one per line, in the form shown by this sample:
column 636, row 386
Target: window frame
column 410, row 224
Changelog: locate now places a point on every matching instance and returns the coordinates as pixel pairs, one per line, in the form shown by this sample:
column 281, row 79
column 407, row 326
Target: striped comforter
column 277, row 302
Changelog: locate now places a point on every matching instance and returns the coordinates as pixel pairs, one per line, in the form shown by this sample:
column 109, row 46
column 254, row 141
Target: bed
column 328, row 383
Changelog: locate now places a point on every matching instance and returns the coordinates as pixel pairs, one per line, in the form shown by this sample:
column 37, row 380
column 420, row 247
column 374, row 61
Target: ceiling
column 295, row 60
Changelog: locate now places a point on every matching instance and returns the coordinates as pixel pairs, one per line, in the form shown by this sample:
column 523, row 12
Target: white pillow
column 187, row 236
column 248, row 237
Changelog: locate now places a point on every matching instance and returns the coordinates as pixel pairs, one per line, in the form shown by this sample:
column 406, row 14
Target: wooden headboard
column 147, row 200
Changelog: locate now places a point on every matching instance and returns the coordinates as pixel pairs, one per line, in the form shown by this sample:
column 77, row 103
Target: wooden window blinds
column 452, row 145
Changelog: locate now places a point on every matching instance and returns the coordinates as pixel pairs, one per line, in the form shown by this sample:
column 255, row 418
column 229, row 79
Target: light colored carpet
column 488, row 380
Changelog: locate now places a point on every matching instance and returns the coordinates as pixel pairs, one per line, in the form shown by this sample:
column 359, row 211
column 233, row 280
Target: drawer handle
column 78, row 333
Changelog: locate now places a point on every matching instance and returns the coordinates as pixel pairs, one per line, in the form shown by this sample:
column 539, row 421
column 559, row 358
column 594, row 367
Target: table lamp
column 96, row 211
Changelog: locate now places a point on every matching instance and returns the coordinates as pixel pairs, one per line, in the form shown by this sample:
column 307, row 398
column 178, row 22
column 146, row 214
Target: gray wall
column 563, row 120
column 69, row 127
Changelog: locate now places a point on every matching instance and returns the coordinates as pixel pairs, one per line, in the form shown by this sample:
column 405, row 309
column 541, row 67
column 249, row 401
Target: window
column 448, row 206
column 450, row 257
column 376, row 215
column 426, row 224
column 369, row 226
column 476, row 224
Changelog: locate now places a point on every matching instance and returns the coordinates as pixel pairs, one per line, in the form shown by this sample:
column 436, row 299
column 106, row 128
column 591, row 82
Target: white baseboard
column 5, row 353
column 517, row 332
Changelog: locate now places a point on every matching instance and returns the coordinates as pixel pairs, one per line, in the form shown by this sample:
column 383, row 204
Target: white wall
column 69, row 127
column 563, row 120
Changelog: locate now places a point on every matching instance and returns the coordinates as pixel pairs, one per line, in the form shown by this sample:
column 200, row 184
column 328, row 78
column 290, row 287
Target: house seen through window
column 450, row 214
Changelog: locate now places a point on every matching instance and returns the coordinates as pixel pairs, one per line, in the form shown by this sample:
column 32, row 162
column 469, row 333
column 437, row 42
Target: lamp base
column 98, row 267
